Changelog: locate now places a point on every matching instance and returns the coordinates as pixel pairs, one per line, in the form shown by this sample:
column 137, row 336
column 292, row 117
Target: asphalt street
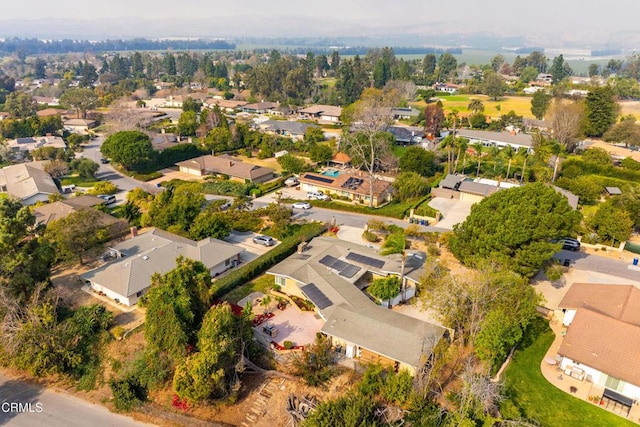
column 584, row 261
column 27, row 405
column 106, row 172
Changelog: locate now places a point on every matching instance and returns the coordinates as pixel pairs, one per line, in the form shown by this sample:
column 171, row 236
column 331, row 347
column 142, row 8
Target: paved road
column 51, row 408
column 349, row 219
column 106, row 172
column 584, row 261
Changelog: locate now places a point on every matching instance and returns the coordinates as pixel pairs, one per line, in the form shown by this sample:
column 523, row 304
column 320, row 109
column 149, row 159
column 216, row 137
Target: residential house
column 226, row 105
column 21, row 146
column 332, row 274
column 46, row 100
column 602, row 341
column 47, row 112
column 446, row 87
column 4, row 115
column 162, row 141
column 173, row 101
column 260, row 107
column 128, row 277
column 407, row 135
column 326, row 114
column 229, row 166
column 469, row 189
column 516, row 140
column 81, row 126
column 61, row 209
column 356, row 188
column 293, row 130
column 402, row 113
column 27, row 182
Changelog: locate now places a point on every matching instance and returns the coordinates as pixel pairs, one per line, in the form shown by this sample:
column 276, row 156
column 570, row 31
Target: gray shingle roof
column 521, row 139
column 155, row 252
column 350, row 314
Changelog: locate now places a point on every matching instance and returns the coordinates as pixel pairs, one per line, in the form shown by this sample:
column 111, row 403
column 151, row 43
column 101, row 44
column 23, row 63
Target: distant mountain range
column 307, row 31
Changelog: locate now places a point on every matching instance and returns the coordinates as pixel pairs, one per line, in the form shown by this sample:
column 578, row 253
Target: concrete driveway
column 245, row 241
column 453, row 211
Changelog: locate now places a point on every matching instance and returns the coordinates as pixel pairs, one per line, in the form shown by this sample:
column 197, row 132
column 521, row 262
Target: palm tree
column 494, row 152
column 478, row 149
column 525, row 156
column 476, row 106
column 508, row 152
column 396, row 243
column 461, row 143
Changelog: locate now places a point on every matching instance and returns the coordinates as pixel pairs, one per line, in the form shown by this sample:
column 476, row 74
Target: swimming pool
column 331, row 172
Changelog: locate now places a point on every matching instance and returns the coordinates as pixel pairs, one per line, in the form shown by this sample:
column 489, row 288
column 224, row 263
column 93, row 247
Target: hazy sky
column 589, row 19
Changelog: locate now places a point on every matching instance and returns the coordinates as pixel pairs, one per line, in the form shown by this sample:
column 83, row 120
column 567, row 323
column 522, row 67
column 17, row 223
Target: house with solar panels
column 356, row 188
column 334, row 274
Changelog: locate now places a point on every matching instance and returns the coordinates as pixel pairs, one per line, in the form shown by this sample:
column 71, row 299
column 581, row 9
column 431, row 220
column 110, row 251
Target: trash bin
column 635, row 261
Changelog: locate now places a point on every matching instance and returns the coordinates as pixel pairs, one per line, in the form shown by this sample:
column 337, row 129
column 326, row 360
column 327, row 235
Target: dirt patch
column 68, row 284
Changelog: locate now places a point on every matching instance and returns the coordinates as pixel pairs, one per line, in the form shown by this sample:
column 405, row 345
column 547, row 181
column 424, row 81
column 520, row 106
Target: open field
column 521, row 105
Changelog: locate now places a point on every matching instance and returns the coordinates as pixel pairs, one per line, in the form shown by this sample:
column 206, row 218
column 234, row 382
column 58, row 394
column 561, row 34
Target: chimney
column 134, row 231
column 48, row 133
column 302, row 247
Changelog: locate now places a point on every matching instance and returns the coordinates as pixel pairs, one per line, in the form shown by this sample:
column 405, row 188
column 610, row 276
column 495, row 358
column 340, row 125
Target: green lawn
column 260, row 284
column 541, row 401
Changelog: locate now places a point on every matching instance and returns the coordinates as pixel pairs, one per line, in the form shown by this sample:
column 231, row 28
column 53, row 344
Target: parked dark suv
column 570, row 244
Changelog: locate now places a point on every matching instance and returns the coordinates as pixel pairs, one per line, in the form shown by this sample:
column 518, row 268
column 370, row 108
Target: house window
column 280, row 281
column 614, row 383
column 139, row 294
column 227, row 262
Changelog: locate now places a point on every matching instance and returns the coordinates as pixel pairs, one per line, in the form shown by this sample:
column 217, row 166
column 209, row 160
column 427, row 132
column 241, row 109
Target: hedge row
column 261, row 264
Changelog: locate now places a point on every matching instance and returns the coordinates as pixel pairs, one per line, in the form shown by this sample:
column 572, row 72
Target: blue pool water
column 331, row 172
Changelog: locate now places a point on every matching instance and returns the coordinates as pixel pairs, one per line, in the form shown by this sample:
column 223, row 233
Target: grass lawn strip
column 539, row 400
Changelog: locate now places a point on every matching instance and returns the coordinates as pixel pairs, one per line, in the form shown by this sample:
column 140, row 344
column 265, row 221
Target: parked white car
column 290, row 182
column 301, row 205
column 317, row 195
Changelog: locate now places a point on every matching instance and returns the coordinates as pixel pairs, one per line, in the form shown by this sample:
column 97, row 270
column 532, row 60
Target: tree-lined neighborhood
column 202, row 233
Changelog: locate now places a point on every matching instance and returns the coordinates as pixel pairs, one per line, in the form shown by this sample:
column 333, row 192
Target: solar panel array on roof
column 316, row 296
column 319, row 179
column 365, row 260
column 349, row 271
column 328, row 260
column 344, row 268
column 339, row 265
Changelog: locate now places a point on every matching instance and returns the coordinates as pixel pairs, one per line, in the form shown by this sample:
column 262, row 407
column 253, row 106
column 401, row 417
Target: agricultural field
column 521, row 105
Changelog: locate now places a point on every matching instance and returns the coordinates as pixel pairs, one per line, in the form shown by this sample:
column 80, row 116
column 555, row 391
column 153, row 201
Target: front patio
column 581, row 388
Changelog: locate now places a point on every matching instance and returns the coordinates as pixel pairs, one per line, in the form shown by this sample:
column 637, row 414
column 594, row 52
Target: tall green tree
column 25, row 260
column 601, row 111
column 560, row 69
column 176, row 304
column 612, row 223
column 212, row 371
column 627, row 131
column 540, row 103
column 396, row 243
column 515, row 227
column 132, row 149
column 188, row 123
column 418, row 160
column 493, row 85
column 410, row 185
column 20, row 105
column 80, row 99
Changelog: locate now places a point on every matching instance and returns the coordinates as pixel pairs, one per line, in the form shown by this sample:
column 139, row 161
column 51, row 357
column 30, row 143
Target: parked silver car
column 264, row 240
